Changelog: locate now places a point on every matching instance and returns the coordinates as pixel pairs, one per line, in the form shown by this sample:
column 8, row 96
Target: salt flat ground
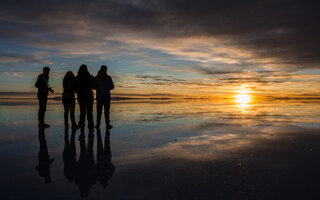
column 196, row 149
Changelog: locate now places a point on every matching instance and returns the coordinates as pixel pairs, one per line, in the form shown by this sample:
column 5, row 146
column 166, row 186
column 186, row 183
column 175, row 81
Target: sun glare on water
column 243, row 98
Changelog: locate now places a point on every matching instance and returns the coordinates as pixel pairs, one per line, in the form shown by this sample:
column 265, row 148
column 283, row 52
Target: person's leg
column 89, row 114
column 82, row 106
column 107, row 112
column 66, row 111
column 99, row 112
column 42, row 110
column 66, row 124
column 72, row 110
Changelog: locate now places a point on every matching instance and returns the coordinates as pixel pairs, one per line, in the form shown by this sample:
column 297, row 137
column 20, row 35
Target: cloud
column 12, row 57
column 284, row 31
column 160, row 78
column 202, row 45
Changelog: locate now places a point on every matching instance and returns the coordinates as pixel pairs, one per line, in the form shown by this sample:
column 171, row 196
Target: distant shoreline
column 59, row 98
column 159, row 96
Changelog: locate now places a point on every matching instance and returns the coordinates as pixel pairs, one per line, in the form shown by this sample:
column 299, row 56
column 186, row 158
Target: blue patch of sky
column 129, row 62
column 309, row 71
column 134, row 64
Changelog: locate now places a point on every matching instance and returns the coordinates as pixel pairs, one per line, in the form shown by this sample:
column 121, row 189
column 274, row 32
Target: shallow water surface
column 164, row 150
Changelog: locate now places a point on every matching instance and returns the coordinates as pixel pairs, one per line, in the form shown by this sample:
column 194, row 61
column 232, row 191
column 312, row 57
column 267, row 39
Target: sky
column 165, row 48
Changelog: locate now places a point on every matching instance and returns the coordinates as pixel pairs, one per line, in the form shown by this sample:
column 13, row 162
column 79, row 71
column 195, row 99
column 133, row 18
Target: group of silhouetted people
column 82, row 85
column 84, row 172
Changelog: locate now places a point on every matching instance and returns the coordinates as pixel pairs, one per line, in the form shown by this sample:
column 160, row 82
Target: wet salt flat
column 197, row 149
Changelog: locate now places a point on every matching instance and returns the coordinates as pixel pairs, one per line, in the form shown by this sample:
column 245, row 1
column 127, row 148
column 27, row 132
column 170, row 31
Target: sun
column 243, row 97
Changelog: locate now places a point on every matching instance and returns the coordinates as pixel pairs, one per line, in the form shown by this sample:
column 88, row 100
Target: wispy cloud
column 23, row 58
column 200, row 44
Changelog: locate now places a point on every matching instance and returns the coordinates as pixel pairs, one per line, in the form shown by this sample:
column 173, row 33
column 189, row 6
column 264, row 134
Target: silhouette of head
column 83, row 70
column 104, row 68
column 69, row 75
column 102, row 74
column 46, row 70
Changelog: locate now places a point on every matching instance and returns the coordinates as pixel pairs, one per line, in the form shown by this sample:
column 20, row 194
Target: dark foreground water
column 164, row 150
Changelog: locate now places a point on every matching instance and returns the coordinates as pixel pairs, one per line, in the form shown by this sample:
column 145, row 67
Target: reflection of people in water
column 85, row 176
column 85, row 172
column 69, row 155
column 104, row 168
column 44, row 159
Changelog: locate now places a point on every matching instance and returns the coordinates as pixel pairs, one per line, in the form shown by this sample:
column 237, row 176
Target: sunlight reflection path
column 243, row 98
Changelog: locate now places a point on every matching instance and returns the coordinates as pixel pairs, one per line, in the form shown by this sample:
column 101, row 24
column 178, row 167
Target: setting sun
column 243, row 98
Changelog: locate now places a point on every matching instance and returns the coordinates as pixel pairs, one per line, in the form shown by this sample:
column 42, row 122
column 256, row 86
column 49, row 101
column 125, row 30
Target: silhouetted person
column 69, row 155
column 68, row 99
column 84, row 85
column 44, row 159
column 85, row 176
column 43, row 89
column 104, row 168
column 104, row 84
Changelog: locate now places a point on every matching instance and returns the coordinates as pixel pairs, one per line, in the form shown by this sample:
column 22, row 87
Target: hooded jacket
column 83, row 87
column 104, row 85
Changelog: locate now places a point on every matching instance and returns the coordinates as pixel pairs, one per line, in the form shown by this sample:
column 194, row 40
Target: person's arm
column 73, row 85
column 49, row 88
column 111, row 85
column 76, row 85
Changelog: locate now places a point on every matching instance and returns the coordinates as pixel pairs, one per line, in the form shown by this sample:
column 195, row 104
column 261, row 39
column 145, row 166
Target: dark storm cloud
column 284, row 30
